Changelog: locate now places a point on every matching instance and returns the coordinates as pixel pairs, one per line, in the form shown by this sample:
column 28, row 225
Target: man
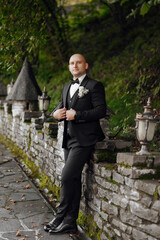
column 81, row 106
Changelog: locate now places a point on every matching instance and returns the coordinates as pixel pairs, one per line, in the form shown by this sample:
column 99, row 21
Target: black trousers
column 75, row 158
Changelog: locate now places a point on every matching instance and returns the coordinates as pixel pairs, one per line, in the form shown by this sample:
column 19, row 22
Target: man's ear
column 86, row 66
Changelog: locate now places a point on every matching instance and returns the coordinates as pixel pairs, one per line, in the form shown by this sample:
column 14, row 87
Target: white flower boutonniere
column 82, row 91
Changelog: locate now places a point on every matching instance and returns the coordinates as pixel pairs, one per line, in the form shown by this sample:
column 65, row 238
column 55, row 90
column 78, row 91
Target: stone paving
column 23, row 210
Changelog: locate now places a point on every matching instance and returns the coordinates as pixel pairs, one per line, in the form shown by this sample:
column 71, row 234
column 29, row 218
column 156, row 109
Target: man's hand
column 70, row 114
column 60, row 114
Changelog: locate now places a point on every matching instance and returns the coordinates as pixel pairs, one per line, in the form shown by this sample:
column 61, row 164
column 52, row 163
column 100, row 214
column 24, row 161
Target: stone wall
column 115, row 204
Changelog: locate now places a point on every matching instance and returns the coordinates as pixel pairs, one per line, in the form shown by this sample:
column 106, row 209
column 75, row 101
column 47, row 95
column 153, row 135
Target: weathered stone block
column 119, row 200
column 147, row 186
column 97, row 169
column 98, row 220
column 129, row 218
column 97, row 202
column 125, row 228
column 117, row 232
column 108, row 185
column 118, row 178
column 93, row 207
column 104, row 216
column 59, row 167
column 130, row 193
column 103, row 193
column 146, row 200
column 137, row 173
column 144, row 213
column 111, row 233
column 129, row 182
column 27, row 115
column 141, row 235
column 126, row 236
column 156, row 205
column 104, row 237
column 40, row 135
column 110, row 209
column 151, row 229
column 106, row 173
column 132, row 159
column 101, row 145
column 125, row 171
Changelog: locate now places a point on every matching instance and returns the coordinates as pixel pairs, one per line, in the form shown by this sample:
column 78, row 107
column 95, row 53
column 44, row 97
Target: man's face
column 77, row 65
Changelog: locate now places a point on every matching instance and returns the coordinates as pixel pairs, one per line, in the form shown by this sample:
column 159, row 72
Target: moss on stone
column 109, row 166
column 89, row 225
column 40, row 131
column 45, row 181
column 122, row 164
column 156, row 195
column 105, row 199
column 110, row 180
column 107, row 156
column 150, row 176
column 29, row 141
column 141, row 165
column 10, row 119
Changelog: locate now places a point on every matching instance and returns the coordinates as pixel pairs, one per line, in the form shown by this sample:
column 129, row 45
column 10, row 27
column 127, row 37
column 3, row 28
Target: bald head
column 77, row 55
column 77, row 65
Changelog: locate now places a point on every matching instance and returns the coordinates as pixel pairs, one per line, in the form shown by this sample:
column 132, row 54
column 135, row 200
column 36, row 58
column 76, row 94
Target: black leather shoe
column 64, row 228
column 53, row 224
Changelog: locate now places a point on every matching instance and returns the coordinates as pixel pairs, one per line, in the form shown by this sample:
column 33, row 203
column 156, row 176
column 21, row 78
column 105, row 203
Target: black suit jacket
column 89, row 109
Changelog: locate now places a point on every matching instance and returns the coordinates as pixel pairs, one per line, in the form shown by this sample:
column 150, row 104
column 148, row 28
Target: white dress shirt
column 74, row 87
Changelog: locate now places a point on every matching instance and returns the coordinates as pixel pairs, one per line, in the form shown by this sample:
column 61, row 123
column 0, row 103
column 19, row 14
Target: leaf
column 5, row 160
column 27, row 186
column 4, row 219
column 145, row 8
column 8, row 208
column 33, row 226
column 123, row 1
column 18, row 234
column 12, row 200
column 112, row 1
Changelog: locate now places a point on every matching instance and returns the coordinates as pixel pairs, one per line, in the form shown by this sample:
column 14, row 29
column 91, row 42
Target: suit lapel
column 75, row 97
column 66, row 94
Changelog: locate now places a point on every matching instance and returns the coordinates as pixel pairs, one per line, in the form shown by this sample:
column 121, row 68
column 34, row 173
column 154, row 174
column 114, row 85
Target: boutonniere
column 82, row 91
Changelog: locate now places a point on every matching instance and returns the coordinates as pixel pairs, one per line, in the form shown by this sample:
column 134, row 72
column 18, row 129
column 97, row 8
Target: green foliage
column 25, row 26
column 141, row 7
column 145, row 8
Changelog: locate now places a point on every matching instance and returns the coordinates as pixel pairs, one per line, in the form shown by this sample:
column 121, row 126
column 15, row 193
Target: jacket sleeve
column 98, row 109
